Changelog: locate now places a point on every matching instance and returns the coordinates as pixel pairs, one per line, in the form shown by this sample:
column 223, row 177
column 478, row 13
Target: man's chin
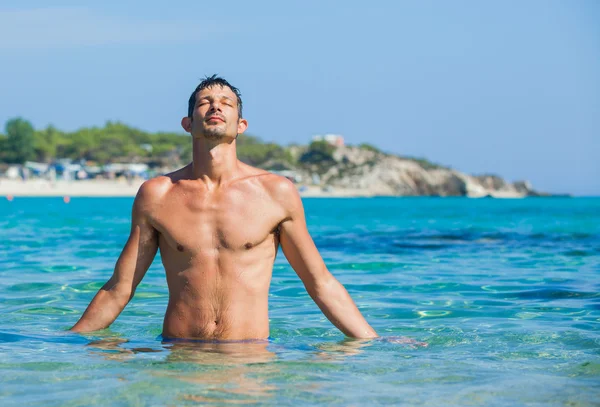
column 215, row 136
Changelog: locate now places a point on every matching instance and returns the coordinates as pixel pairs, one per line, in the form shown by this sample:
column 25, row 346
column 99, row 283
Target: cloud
column 77, row 27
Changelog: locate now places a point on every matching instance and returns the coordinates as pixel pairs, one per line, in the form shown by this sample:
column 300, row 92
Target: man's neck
column 214, row 163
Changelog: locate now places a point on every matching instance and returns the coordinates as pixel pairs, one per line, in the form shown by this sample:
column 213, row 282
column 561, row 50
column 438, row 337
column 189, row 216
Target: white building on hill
column 333, row 139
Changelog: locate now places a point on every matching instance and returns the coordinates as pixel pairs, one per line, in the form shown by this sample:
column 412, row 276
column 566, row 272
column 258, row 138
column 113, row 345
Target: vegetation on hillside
column 112, row 142
column 117, row 142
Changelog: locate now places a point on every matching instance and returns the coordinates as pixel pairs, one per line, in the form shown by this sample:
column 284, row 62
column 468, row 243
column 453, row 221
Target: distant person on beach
column 218, row 223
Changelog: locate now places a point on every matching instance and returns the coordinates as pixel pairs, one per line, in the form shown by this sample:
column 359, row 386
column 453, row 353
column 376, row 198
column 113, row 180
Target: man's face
column 215, row 116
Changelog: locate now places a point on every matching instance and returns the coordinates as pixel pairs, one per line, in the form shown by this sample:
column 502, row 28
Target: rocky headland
column 366, row 171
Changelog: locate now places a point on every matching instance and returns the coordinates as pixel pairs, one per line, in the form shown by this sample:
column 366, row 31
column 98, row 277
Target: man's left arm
column 327, row 292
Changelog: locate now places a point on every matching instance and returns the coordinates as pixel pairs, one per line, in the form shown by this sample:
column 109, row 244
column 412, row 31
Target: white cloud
column 74, row 27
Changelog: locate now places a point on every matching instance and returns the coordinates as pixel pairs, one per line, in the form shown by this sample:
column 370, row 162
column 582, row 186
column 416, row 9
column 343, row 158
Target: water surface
column 506, row 293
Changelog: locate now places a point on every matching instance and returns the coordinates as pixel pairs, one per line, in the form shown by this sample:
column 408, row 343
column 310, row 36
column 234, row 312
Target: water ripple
column 503, row 293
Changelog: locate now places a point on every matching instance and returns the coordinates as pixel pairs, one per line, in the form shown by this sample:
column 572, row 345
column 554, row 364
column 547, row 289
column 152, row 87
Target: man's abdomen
column 209, row 321
column 218, row 294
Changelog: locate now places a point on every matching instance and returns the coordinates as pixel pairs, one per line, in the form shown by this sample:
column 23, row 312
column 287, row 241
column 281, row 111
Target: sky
column 504, row 87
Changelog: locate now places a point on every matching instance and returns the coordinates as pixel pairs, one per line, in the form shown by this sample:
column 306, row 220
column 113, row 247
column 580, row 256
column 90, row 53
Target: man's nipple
column 179, row 247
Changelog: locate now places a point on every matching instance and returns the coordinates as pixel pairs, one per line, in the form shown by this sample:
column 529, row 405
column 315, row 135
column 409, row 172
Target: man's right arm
column 134, row 261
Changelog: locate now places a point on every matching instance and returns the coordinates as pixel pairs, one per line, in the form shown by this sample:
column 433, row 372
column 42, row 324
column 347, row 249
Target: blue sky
column 506, row 87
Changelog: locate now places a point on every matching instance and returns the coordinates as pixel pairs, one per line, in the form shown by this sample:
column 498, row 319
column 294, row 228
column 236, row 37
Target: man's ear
column 242, row 126
column 186, row 123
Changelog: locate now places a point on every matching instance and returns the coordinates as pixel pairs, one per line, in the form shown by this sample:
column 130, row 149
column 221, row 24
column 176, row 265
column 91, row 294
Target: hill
column 317, row 168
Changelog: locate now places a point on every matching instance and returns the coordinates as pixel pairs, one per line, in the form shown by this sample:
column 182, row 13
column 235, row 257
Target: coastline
column 350, row 172
column 122, row 188
column 117, row 188
column 83, row 188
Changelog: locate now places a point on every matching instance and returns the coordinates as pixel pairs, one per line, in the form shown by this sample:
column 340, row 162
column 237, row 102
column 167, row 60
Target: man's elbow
column 323, row 287
column 110, row 300
column 122, row 295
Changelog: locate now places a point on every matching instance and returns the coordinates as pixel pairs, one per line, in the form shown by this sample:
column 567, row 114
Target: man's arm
column 327, row 292
column 134, row 261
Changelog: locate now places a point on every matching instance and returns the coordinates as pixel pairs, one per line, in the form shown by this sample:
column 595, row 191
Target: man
column 218, row 223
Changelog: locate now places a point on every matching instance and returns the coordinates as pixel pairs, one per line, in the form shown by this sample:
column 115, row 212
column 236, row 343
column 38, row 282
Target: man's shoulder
column 154, row 189
column 280, row 189
column 271, row 182
column 278, row 185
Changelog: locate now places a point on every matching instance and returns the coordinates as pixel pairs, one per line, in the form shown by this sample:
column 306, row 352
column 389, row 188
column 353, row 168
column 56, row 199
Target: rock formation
column 363, row 172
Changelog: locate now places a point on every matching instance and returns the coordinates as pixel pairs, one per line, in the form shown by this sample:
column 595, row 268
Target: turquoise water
column 506, row 293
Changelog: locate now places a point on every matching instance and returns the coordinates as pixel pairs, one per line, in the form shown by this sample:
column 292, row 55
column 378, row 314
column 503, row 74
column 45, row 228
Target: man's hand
column 403, row 340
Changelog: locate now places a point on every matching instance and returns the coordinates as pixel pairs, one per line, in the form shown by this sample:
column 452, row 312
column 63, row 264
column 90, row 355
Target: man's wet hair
column 209, row 82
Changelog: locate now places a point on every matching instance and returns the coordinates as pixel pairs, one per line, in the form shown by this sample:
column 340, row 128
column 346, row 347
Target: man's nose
column 215, row 106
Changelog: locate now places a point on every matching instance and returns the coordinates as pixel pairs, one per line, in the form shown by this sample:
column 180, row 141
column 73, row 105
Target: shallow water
column 506, row 293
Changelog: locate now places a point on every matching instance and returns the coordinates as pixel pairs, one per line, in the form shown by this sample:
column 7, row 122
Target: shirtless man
column 218, row 223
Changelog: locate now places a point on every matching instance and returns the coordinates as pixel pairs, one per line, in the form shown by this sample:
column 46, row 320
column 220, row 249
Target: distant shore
column 116, row 188
column 123, row 188
column 41, row 187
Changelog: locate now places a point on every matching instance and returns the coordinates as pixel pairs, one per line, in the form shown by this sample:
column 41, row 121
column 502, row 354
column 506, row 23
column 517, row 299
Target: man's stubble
column 214, row 134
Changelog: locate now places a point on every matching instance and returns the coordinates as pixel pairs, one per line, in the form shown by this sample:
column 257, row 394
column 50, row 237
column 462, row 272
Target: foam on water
column 505, row 293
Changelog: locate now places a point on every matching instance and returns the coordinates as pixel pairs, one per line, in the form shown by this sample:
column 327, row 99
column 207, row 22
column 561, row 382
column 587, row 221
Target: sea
column 478, row 302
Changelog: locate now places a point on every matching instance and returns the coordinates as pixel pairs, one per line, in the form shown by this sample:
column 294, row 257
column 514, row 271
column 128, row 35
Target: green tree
column 46, row 143
column 246, row 139
column 3, row 148
column 319, row 152
column 369, row 147
column 20, row 141
column 252, row 150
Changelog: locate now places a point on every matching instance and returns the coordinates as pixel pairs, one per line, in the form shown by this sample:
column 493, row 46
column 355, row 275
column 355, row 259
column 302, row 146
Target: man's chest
column 198, row 222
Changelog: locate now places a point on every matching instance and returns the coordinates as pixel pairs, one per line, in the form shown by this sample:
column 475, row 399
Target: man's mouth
column 215, row 118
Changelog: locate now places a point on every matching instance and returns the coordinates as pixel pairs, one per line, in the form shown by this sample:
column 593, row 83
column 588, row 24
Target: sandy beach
column 122, row 187
column 40, row 187
column 109, row 188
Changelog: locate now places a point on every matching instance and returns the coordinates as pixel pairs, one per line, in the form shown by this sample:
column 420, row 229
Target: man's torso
column 218, row 249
